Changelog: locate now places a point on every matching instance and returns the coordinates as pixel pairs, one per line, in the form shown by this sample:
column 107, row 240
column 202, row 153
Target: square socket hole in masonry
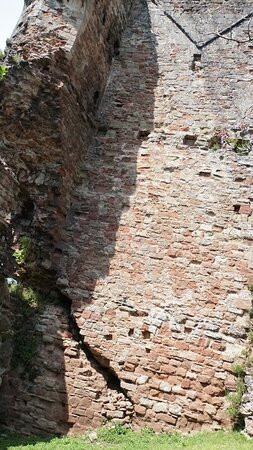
column 189, row 140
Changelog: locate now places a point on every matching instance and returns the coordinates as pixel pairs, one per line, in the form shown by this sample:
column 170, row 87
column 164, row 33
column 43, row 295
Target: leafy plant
column 250, row 337
column 27, row 295
column 3, row 71
column 238, row 370
column 22, row 253
column 235, row 400
column 239, row 139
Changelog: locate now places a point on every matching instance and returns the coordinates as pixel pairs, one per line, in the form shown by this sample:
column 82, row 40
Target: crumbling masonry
column 141, row 230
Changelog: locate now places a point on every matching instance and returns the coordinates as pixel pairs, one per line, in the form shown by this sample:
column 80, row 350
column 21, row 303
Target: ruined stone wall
column 154, row 249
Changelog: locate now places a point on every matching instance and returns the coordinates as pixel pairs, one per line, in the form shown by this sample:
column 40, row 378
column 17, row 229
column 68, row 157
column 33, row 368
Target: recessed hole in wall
column 237, row 208
column 108, row 337
column 187, row 330
column 58, row 251
column 146, row 334
column 118, row 103
column 148, row 350
column 104, row 17
column 27, row 209
column 189, row 139
column 95, row 97
column 131, row 332
column 116, row 48
column 142, row 134
column 239, row 179
column 196, row 60
column 197, row 57
column 204, row 174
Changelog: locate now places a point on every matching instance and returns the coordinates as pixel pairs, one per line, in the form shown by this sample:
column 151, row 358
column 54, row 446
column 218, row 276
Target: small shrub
column 3, row 71
column 238, row 370
column 27, row 295
column 28, row 305
column 22, row 253
column 235, row 399
column 239, row 139
column 250, row 337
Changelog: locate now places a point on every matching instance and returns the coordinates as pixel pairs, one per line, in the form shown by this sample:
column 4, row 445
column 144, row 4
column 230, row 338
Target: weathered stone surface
column 144, row 228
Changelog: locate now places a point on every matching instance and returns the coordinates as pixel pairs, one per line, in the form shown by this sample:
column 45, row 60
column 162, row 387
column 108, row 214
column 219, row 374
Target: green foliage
column 22, row 253
column 250, row 337
column 144, row 440
column 238, row 139
column 239, row 370
column 2, row 55
column 3, row 71
column 15, row 59
column 28, row 303
column 29, row 297
column 235, row 399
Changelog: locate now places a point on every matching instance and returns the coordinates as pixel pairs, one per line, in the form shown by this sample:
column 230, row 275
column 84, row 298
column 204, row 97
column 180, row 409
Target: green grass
column 122, row 439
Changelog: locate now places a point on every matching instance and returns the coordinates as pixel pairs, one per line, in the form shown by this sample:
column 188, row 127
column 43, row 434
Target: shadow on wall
column 33, row 396
column 108, row 174
column 107, row 181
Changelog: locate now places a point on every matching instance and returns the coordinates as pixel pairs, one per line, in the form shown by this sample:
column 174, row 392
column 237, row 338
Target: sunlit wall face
column 10, row 11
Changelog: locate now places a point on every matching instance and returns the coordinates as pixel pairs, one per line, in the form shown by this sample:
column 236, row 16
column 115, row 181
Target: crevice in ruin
column 100, row 363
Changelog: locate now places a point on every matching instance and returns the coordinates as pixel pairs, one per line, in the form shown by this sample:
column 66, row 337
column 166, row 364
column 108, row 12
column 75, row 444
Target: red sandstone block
column 168, row 369
column 176, row 381
column 196, row 406
column 185, row 383
column 209, row 352
column 166, row 418
column 181, row 345
column 212, row 390
column 129, row 367
column 140, row 410
column 181, row 371
column 156, row 426
column 204, row 379
column 154, row 393
column 219, row 401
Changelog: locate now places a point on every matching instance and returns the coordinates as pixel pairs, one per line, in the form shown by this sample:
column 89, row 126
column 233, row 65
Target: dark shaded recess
column 98, row 362
column 189, row 140
column 196, row 59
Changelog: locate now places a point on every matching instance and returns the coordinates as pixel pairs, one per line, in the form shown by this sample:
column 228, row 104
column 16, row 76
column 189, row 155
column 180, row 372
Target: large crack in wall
column 97, row 361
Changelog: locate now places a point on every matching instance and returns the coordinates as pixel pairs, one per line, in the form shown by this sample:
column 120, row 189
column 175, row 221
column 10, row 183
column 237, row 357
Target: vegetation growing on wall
column 3, row 71
column 28, row 303
column 24, row 246
column 240, row 370
column 238, row 139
